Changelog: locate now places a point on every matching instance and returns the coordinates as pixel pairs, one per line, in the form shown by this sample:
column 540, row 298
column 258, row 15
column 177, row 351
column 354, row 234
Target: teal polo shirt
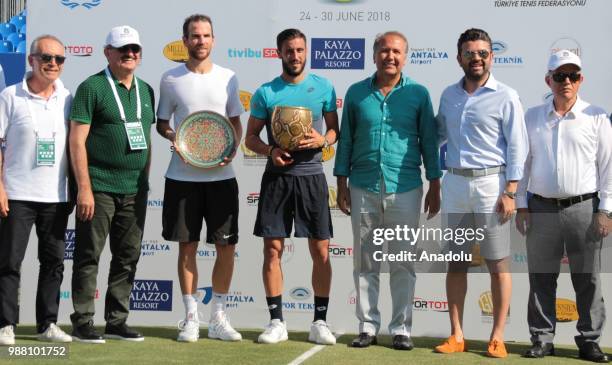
column 387, row 138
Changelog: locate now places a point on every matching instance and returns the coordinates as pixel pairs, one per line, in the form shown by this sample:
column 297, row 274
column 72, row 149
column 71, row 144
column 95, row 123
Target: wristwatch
column 510, row 194
column 325, row 144
column 606, row 212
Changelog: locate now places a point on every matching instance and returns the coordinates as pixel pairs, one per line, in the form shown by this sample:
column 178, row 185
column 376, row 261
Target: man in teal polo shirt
column 387, row 129
column 110, row 148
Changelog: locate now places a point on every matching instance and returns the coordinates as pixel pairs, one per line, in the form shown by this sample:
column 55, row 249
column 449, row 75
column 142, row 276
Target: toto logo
column 86, row 4
column 79, row 51
column 300, row 293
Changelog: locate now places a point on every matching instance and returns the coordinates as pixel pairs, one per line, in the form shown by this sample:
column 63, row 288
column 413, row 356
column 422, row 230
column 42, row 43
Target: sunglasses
column 483, row 53
column 561, row 76
column 47, row 58
column 129, row 47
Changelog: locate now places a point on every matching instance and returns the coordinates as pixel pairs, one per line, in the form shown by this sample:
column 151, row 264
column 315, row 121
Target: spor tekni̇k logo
column 299, row 300
column 73, row 4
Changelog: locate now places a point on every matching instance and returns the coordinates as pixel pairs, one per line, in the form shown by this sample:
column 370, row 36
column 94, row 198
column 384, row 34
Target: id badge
column 45, row 151
column 136, row 136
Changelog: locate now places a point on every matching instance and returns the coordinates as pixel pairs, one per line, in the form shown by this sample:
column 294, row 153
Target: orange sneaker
column 451, row 345
column 497, row 349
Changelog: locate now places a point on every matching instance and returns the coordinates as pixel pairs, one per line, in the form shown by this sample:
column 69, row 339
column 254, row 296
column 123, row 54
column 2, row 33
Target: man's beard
column 289, row 71
column 193, row 54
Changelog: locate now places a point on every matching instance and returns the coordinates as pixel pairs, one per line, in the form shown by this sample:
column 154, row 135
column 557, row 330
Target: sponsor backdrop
column 340, row 37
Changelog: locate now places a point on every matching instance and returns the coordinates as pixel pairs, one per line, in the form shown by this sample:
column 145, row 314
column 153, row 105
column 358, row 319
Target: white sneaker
column 54, row 334
column 189, row 329
column 275, row 332
column 7, row 336
column 320, row 333
column 220, row 327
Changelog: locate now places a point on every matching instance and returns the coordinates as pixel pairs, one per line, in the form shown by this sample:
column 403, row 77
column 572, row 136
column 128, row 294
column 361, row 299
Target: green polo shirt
column 113, row 167
column 387, row 137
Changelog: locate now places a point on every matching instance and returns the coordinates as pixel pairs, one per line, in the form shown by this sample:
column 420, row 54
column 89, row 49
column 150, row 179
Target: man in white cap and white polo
column 110, row 149
column 569, row 175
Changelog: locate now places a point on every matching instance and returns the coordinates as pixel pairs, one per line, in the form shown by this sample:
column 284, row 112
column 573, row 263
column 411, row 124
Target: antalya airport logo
column 76, row 4
column 502, row 58
column 426, row 56
column 233, row 299
column 337, row 53
column 151, row 295
column 248, row 52
column 69, row 240
column 299, row 300
column 150, row 248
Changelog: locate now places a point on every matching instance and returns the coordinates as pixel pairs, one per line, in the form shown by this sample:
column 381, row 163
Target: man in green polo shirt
column 387, row 129
column 110, row 149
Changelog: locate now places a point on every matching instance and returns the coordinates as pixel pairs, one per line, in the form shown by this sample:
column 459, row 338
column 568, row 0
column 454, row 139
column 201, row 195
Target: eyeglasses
column 561, row 76
column 129, row 47
column 483, row 53
column 47, row 58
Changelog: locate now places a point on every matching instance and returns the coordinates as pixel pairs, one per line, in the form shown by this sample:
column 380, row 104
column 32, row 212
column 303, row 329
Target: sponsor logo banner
column 152, row 247
column 151, row 295
column 207, row 251
column 233, row 299
column 72, row 4
column 429, row 305
column 79, row 50
column 176, row 51
column 566, row 310
column 337, row 53
column 69, row 241
column 249, row 52
column 299, row 300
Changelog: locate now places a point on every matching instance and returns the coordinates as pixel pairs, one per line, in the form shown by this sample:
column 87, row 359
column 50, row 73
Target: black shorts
column 186, row 203
column 285, row 198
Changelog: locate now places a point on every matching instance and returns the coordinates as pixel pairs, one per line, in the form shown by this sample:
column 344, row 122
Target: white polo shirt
column 182, row 92
column 22, row 178
column 568, row 155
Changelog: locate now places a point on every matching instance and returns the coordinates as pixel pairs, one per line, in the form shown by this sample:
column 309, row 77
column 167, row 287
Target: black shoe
column 402, row 342
column 86, row 333
column 122, row 332
column 364, row 340
column 590, row 351
column 540, row 349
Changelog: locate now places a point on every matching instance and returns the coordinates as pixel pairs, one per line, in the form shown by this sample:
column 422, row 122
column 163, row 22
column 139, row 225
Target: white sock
column 218, row 303
column 191, row 304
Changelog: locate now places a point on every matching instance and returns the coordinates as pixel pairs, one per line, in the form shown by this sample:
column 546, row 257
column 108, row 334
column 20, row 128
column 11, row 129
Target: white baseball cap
column 563, row 57
column 121, row 36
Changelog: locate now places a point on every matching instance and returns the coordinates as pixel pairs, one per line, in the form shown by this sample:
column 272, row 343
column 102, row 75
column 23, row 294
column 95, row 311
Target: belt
column 566, row 202
column 477, row 172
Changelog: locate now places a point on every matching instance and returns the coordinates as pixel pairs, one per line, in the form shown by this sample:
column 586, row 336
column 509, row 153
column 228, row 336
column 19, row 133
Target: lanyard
column 35, row 120
column 119, row 105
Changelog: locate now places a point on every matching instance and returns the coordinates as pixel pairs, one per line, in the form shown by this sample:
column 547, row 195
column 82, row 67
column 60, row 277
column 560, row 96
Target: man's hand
column 228, row 159
column 4, row 206
column 432, row 199
column 522, row 220
column 344, row 196
column 85, row 205
column 504, row 207
column 313, row 139
column 281, row 157
column 601, row 224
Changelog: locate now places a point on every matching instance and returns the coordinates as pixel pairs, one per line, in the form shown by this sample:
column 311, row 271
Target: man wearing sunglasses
column 110, row 148
column 569, row 163
column 482, row 120
column 193, row 194
column 34, row 186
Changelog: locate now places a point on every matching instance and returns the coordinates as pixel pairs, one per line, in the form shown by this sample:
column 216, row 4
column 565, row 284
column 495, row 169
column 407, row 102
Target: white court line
column 308, row 354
